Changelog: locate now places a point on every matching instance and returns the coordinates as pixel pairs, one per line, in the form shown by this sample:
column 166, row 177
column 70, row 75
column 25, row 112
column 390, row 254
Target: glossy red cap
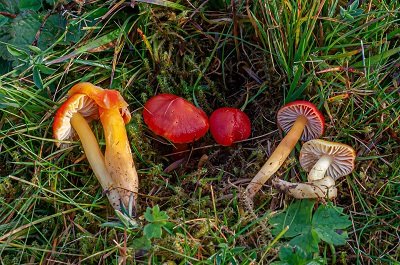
column 228, row 125
column 288, row 114
column 175, row 118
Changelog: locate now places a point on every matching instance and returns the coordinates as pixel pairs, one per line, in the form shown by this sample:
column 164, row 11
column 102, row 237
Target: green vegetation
column 254, row 55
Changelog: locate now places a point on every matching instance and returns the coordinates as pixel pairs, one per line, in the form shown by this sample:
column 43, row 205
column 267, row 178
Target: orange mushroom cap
column 104, row 98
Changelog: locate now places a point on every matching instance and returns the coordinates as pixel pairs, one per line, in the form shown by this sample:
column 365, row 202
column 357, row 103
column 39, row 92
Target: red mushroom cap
column 288, row 114
column 228, row 125
column 175, row 118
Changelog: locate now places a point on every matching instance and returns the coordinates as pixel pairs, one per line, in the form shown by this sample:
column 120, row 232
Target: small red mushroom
column 175, row 118
column 228, row 125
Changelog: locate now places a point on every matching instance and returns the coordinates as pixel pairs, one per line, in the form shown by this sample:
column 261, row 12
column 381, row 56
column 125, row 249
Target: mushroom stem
column 118, row 156
column 322, row 188
column 277, row 158
column 319, row 169
column 95, row 157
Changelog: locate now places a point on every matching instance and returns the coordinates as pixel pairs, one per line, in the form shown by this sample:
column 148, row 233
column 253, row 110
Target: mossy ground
column 257, row 55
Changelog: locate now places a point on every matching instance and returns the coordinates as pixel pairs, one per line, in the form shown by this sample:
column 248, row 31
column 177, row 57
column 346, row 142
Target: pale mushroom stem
column 322, row 188
column 277, row 158
column 118, row 156
column 319, row 169
column 95, row 157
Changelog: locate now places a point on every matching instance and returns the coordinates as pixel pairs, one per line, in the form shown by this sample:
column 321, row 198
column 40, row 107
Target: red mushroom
column 299, row 119
column 228, row 125
column 175, row 118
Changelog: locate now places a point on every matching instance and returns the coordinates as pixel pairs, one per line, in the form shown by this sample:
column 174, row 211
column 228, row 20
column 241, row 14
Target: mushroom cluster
column 325, row 161
column 115, row 170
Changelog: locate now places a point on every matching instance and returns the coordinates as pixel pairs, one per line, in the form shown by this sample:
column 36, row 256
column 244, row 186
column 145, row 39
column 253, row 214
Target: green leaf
column 154, row 215
column 19, row 33
column 306, row 230
column 329, row 222
column 113, row 225
column 153, row 230
column 111, row 36
column 163, row 3
column 308, row 241
column 30, row 4
column 45, row 70
column 377, row 59
column 35, row 49
column 127, row 221
column 141, row 243
column 297, row 216
column 37, row 78
column 296, row 255
column 16, row 52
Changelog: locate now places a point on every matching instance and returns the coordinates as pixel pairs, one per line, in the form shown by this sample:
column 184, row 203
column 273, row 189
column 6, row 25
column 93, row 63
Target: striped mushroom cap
column 288, row 114
column 342, row 156
column 87, row 107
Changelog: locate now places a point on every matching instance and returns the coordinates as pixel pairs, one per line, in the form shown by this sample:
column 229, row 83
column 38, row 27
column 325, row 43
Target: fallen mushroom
column 228, row 125
column 97, row 94
column 322, row 188
column 113, row 111
column 73, row 116
column 175, row 118
column 320, row 157
column 299, row 119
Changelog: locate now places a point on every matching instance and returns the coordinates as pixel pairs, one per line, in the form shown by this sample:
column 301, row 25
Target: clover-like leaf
column 141, row 243
column 297, row 216
column 306, row 230
column 155, row 215
column 153, row 230
column 296, row 255
column 329, row 223
column 157, row 220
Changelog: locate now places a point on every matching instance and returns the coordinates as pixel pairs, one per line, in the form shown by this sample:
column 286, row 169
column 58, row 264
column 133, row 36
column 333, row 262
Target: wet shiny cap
column 175, row 118
column 228, row 125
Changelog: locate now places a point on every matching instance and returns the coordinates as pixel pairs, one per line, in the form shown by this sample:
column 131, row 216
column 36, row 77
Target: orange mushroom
column 73, row 116
column 114, row 113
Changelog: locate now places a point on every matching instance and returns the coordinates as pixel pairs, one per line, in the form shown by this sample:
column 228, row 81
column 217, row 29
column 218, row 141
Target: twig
column 6, row 14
